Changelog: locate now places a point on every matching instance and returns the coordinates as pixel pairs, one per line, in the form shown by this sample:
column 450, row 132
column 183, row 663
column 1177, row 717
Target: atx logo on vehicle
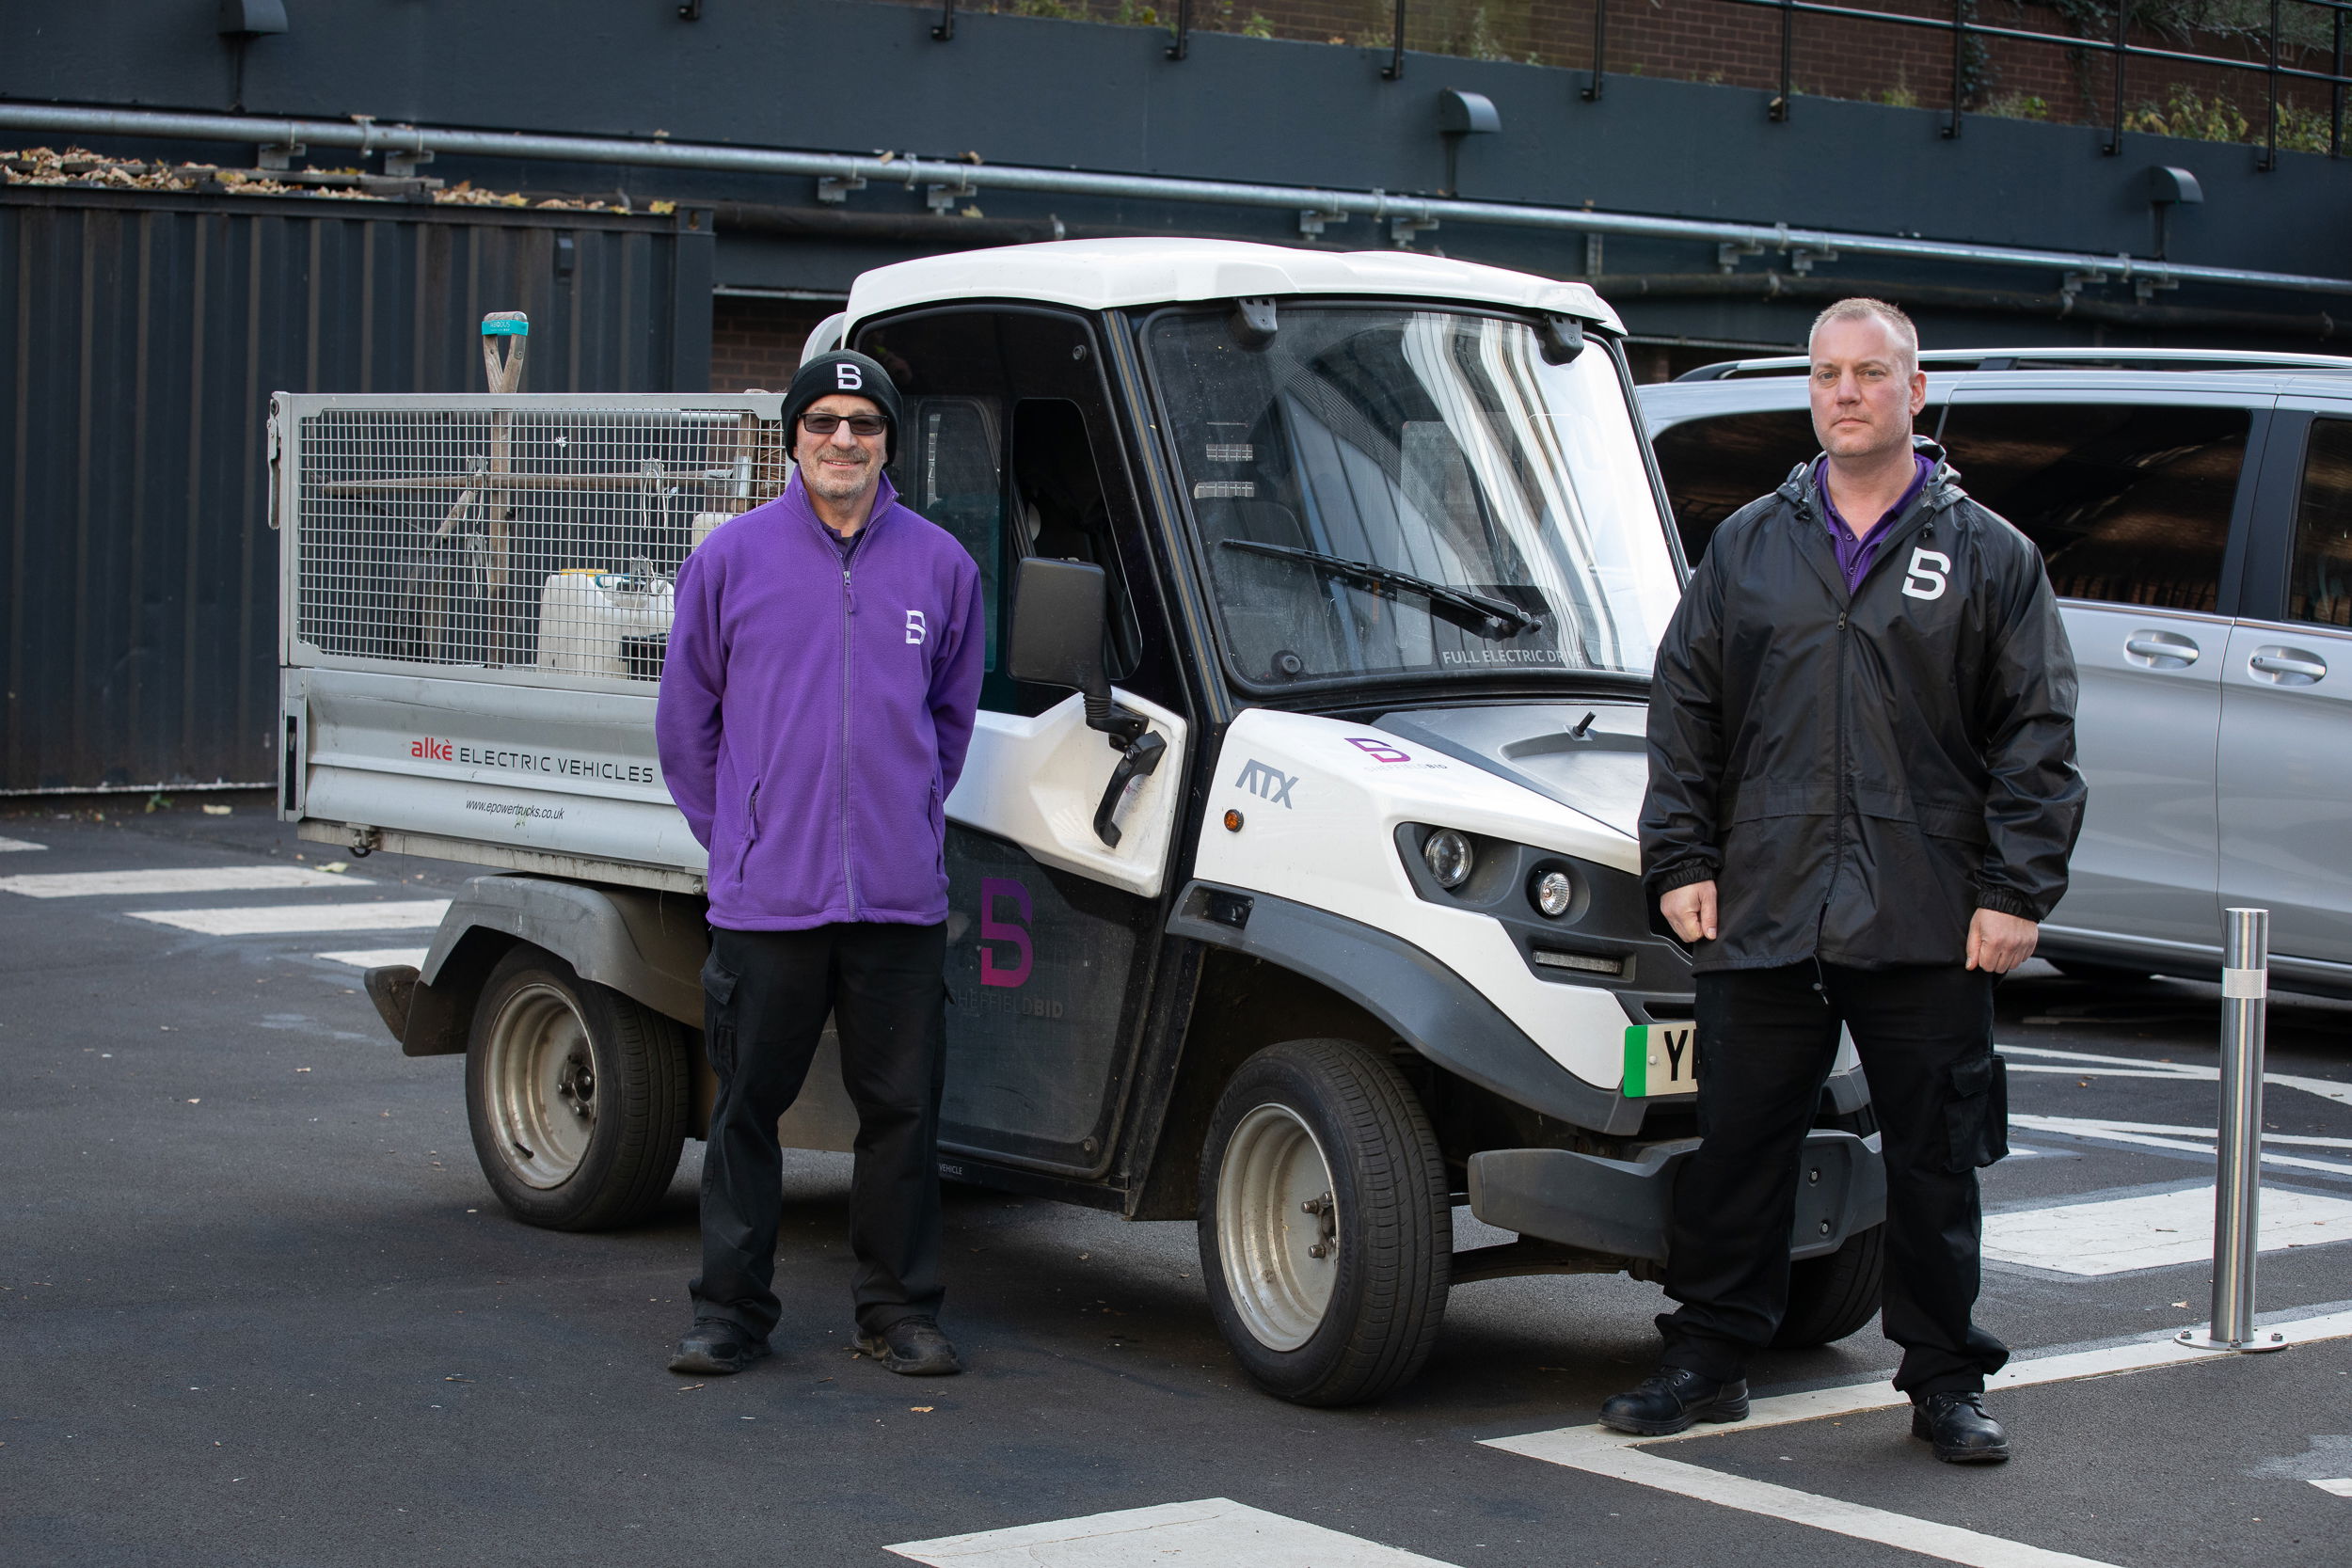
column 1267, row 783
column 431, row 750
column 1925, row 578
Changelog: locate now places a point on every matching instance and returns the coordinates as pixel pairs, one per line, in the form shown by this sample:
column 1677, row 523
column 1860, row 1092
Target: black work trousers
column 1769, row 1038
column 765, row 995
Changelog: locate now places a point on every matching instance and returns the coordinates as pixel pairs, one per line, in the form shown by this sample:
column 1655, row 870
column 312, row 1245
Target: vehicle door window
column 1714, row 468
column 2129, row 503
column 1005, row 415
column 2319, row 584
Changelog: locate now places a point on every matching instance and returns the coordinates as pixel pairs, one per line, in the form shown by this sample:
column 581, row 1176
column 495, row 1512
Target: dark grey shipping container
column 141, row 336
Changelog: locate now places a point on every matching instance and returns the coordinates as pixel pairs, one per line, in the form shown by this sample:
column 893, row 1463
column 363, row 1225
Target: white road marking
column 2341, row 1487
column 376, row 958
column 1214, row 1532
column 2150, row 1135
column 9, row 844
column 275, row 919
column 2153, row 1231
column 216, row 879
column 1597, row 1450
column 2326, row 1088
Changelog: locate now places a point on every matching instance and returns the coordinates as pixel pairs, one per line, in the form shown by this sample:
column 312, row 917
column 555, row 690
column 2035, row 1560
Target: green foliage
column 2017, row 105
column 1257, row 26
column 2191, row 116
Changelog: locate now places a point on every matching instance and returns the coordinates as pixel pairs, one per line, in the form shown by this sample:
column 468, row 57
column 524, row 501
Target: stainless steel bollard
column 2238, row 1152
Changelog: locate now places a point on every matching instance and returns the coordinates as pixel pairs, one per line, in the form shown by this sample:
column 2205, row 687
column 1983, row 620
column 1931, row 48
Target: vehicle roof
column 2163, row 359
column 1098, row 274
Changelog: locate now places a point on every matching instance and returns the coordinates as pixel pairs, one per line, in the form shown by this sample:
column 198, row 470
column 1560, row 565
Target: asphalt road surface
column 257, row 1306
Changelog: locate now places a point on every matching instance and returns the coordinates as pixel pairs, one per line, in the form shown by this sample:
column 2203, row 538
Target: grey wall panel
column 140, row 337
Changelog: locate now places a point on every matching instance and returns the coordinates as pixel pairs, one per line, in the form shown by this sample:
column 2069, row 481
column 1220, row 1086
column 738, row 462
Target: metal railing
column 1962, row 27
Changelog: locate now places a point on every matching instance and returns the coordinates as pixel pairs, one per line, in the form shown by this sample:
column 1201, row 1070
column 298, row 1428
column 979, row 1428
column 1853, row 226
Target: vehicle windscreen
column 1387, row 492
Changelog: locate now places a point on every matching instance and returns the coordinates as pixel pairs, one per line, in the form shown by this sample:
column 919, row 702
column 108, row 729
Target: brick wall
column 756, row 341
column 1739, row 45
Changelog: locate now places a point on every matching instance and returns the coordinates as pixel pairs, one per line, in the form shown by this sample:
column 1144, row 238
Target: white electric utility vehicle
column 1294, row 874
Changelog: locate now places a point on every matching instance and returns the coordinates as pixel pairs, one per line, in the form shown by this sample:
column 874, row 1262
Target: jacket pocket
column 718, row 1017
column 750, row 832
column 1976, row 1114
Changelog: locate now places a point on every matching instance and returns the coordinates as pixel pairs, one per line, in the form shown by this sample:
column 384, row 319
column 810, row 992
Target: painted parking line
column 280, row 919
column 376, row 958
column 2091, row 1065
column 2153, row 1230
column 213, row 878
column 1214, row 1532
column 1597, row 1450
column 9, row 844
column 2147, row 1135
column 2342, row 1487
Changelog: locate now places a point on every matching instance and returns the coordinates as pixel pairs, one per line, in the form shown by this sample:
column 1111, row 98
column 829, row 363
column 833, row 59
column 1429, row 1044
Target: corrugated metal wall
column 141, row 337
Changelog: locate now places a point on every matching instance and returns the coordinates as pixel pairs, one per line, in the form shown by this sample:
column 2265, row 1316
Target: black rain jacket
column 1859, row 773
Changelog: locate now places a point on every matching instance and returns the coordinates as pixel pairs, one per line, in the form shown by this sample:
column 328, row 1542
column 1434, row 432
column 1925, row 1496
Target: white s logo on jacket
column 1927, row 576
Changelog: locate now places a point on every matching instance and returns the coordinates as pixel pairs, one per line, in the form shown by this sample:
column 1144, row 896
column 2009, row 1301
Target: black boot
column 715, row 1346
column 1670, row 1399
column 1962, row 1432
column 912, row 1346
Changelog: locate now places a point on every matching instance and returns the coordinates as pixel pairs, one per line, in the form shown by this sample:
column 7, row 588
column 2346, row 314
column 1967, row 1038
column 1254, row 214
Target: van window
column 2319, row 587
column 1714, row 468
column 954, row 477
column 2130, row 504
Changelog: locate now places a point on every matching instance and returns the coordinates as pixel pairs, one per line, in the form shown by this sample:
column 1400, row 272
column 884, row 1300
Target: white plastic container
column 587, row 618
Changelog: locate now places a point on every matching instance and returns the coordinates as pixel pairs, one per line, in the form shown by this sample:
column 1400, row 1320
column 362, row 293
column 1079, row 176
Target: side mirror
column 1058, row 628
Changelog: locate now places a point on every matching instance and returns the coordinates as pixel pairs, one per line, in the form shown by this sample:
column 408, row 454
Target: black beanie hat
column 842, row 371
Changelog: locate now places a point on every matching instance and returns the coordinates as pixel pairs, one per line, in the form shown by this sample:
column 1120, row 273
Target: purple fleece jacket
column 815, row 713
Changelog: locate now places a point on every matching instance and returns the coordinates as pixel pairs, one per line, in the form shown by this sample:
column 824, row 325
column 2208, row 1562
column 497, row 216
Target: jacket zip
column 848, row 607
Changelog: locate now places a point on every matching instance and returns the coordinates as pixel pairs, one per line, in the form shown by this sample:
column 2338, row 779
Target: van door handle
column 2287, row 666
column 2162, row 650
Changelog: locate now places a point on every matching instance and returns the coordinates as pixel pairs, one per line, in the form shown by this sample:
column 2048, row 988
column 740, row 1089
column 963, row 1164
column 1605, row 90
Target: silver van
column 2195, row 511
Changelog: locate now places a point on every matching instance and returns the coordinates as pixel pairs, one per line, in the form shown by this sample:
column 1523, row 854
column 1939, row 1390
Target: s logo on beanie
column 847, row 377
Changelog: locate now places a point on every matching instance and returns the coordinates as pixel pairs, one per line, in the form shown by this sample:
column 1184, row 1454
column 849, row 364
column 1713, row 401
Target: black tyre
column 1838, row 1294
column 1327, row 1237
column 576, row 1095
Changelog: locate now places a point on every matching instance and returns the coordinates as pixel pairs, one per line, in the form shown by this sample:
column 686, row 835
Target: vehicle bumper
column 1625, row 1208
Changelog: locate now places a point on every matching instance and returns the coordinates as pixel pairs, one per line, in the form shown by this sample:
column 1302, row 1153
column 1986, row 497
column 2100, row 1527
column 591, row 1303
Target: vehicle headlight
column 1552, row 891
column 1449, row 856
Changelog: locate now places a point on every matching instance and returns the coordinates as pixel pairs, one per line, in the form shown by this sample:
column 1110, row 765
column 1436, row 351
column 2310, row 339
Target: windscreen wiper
column 1477, row 612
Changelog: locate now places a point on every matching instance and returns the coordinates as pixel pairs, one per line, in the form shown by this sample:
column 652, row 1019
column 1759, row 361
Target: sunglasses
column 860, row 425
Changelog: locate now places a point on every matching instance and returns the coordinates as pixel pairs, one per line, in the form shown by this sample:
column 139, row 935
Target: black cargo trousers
column 1768, row 1039
column 765, row 995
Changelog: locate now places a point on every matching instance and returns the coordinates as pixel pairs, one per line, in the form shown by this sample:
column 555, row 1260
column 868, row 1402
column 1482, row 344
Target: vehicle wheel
column 1327, row 1237
column 2099, row 973
column 575, row 1094
column 1838, row 1294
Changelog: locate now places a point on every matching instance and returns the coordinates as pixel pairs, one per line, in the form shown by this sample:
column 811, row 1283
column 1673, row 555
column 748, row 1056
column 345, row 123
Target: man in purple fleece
column 815, row 705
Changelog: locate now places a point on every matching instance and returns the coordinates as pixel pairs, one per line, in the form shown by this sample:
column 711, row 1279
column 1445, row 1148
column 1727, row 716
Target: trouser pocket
column 1976, row 1115
column 718, row 1017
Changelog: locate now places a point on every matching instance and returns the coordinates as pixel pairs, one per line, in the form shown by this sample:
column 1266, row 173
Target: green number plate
column 1660, row 1060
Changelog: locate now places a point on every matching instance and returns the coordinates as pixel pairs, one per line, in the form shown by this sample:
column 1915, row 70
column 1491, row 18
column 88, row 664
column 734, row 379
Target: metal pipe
column 1960, row 50
column 371, row 136
column 1396, row 68
column 2335, row 94
column 2122, row 54
column 1781, row 105
column 2238, row 1151
column 1182, row 44
column 2270, row 81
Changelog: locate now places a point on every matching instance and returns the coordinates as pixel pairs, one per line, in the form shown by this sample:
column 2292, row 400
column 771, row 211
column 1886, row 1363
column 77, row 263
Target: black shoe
column 1670, row 1399
column 1962, row 1432
column 912, row 1346
column 717, row 1348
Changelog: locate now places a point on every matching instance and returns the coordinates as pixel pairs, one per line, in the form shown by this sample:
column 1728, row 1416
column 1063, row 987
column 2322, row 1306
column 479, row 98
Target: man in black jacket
column 1863, row 795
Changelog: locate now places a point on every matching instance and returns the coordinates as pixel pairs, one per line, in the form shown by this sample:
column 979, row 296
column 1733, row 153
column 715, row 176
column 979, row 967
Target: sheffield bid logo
column 995, row 930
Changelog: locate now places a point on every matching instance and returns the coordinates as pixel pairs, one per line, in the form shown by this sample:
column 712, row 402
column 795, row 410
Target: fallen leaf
column 196, row 1102
column 689, row 1387
column 2180, row 1304
column 335, row 865
column 218, row 811
column 921, row 1409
